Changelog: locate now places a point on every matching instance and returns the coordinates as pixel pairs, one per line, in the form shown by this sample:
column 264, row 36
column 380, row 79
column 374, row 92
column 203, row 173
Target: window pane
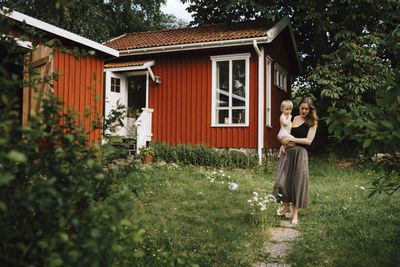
column 238, row 116
column 222, row 99
column 223, row 116
column 115, row 85
column 223, row 75
column 238, row 101
column 239, row 78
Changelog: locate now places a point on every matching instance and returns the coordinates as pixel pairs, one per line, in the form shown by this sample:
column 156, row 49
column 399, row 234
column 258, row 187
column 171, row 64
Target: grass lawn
column 192, row 216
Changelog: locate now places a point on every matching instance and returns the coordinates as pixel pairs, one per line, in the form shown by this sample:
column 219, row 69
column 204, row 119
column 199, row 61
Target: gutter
column 260, row 132
column 191, row 46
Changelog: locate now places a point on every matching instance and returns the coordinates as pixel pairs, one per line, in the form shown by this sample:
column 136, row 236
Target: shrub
column 201, row 155
column 59, row 206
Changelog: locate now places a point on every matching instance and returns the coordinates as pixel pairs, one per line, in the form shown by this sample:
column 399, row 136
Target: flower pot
column 148, row 159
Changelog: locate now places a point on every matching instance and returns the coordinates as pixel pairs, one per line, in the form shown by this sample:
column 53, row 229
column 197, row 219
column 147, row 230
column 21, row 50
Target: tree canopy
column 98, row 20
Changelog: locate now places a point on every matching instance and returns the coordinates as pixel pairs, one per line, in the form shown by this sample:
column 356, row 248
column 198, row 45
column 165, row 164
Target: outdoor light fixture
column 157, row 80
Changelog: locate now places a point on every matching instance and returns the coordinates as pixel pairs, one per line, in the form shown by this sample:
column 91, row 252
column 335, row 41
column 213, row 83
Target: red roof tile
column 126, row 64
column 207, row 33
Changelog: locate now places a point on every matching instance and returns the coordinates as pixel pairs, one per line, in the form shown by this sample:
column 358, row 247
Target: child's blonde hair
column 286, row 103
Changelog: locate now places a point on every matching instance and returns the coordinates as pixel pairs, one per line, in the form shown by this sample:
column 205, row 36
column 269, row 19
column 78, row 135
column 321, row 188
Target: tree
column 98, row 20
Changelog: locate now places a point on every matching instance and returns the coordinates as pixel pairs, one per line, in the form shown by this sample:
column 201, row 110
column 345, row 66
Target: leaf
column 17, row 156
column 5, row 178
column 367, row 143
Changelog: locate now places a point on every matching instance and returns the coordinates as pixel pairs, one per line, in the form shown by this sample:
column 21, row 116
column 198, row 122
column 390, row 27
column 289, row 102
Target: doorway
column 137, row 87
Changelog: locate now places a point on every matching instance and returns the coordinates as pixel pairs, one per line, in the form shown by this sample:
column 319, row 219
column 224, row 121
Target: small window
column 230, row 90
column 115, row 85
column 280, row 79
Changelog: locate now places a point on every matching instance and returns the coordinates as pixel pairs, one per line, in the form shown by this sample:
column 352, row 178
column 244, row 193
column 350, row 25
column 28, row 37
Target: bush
column 201, row 155
column 59, row 206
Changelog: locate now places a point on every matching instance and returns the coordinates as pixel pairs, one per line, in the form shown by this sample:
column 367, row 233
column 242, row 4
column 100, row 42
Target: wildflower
column 362, row 187
column 255, row 198
column 249, row 200
column 280, row 195
column 221, row 171
column 255, row 193
column 233, row 186
column 263, row 207
column 356, row 186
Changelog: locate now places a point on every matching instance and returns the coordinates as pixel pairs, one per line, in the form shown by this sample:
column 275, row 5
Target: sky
column 175, row 7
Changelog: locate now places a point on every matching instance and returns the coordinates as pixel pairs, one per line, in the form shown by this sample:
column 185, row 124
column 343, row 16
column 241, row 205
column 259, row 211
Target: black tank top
column 300, row 132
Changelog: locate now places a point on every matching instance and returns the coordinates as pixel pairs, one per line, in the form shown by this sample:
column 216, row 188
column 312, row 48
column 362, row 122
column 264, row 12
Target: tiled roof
column 126, row 64
column 207, row 33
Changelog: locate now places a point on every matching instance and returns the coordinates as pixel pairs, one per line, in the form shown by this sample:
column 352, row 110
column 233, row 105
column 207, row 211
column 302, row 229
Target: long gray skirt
column 291, row 180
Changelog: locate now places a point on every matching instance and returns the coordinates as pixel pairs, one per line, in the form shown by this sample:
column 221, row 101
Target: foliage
column 202, row 155
column 147, row 151
column 98, row 20
column 59, row 206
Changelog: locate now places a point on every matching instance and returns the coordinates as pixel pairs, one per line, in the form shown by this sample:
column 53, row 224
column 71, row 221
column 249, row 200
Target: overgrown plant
column 58, row 205
column 202, row 155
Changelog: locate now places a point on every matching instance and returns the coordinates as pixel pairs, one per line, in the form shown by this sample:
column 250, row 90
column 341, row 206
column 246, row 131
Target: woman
column 291, row 181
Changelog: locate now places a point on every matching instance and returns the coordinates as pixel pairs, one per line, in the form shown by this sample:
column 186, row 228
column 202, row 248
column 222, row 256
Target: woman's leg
column 295, row 216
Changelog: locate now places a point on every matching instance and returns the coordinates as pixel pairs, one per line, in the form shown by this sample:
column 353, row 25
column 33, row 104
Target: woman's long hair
column 312, row 117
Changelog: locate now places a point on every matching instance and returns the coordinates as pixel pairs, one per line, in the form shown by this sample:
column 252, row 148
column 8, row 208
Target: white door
column 116, row 93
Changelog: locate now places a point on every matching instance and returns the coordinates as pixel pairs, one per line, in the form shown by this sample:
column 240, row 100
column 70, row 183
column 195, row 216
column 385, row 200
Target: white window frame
column 230, row 58
column 280, row 77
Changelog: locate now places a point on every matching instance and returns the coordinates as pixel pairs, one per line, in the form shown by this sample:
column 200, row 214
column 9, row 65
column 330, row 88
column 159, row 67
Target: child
column 285, row 121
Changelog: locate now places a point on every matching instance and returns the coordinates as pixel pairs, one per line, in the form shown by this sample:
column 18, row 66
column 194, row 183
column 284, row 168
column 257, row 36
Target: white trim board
column 15, row 15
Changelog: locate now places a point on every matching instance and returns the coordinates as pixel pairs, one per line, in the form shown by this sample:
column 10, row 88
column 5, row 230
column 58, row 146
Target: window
column 230, row 86
column 115, row 85
column 280, row 79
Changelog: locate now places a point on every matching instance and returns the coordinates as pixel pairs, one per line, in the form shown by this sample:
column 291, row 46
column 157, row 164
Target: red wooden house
column 216, row 85
column 81, row 79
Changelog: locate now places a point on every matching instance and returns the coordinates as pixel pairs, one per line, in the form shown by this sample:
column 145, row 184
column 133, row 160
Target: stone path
column 281, row 239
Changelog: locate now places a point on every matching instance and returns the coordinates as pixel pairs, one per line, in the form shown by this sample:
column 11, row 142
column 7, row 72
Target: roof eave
column 131, row 68
column 193, row 46
column 15, row 15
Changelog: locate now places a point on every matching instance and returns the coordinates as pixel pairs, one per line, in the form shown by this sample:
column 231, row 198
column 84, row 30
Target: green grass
column 191, row 219
column 185, row 211
column 343, row 226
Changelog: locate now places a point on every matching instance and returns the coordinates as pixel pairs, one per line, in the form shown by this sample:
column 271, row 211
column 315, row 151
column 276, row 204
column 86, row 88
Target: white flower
column 212, row 180
column 229, row 177
column 280, row 195
column 214, row 172
column 263, row 207
column 222, row 182
column 362, row 187
column 255, row 198
column 223, row 174
column 249, row 200
column 233, row 186
column 221, row 171
column 255, row 193
column 356, row 186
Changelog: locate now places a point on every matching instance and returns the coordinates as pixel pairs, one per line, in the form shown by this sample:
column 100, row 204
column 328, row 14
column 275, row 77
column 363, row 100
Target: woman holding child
column 291, row 180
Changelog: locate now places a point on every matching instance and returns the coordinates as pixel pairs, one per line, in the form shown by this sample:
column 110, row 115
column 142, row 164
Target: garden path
column 281, row 239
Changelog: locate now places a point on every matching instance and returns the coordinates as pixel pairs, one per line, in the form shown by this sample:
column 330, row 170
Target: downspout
column 260, row 132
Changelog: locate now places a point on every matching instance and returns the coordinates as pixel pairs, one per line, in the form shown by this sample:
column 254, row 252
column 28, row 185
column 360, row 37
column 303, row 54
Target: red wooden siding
column 182, row 102
column 79, row 82
column 278, row 50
